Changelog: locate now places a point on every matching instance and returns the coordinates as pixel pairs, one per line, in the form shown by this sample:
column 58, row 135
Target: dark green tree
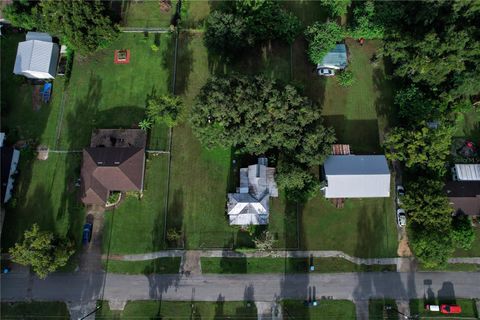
column 255, row 115
column 420, row 146
column 462, row 232
column 433, row 248
column 226, row 33
column 85, row 25
column 414, row 106
column 336, row 8
column 296, row 180
column 322, row 37
column 42, row 251
column 23, row 14
column 366, row 22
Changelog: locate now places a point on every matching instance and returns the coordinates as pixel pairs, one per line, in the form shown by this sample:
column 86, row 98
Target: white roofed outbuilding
column 356, row 176
column 37, row 57
column 467, row 172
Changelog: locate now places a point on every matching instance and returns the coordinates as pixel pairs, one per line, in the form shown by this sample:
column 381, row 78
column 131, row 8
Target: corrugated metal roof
column 336, row 58
column 468, row 172
column 42, row 36
column 35, row 56
column 357, row 176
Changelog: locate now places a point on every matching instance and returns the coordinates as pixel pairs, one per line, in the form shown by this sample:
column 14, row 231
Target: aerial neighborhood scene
column 240, row 159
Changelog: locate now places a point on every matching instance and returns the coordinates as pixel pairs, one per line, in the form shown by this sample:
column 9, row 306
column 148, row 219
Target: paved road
column 267, row 287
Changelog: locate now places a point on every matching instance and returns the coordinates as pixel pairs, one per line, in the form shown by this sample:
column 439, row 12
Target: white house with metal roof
column 250, row 204
column 37, row 57
column 467, row 172
column 356, row 176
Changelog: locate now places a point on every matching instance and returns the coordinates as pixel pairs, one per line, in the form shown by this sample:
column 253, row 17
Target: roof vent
column 99, row 162
column 116, row 162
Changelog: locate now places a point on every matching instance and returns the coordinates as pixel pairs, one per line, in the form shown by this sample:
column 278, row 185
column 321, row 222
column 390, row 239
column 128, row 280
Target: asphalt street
column 80, row 286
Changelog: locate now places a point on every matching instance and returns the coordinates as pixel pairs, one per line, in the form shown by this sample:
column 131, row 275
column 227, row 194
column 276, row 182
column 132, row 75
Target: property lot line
column 79, row 151
column 274, row 254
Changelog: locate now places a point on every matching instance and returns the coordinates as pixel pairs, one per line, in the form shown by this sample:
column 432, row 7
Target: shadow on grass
column 362, row 135
column 175, row 220
column 184, row 63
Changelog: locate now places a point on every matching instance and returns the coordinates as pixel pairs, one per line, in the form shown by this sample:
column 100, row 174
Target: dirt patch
column 403, row 247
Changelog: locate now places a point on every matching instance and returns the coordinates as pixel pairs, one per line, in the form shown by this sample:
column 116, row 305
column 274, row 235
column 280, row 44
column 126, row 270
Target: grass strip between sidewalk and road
column 288, row 265
column 160, row 265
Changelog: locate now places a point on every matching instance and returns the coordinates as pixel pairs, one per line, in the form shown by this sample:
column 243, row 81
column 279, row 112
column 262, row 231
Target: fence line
column 142, row 30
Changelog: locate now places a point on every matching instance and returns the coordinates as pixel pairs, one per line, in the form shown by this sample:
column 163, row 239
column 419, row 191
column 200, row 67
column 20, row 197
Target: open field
column 376, row 310
column 363, row 228
column 160, row 265
column 417, row 307
column 34, row 310
column 136, row 226
column 181, row 310
column 289, row 265
column 327, row 310
column 45, row 194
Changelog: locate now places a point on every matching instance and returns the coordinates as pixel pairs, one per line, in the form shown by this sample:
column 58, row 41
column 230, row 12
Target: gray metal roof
column 351, row 176
column 336, row 58
column 468, row 172
column 42, row 36
column 36, row 59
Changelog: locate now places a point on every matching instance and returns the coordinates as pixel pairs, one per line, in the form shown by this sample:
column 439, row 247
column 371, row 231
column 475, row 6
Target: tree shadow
column 384, row 102
column 219, row 308
column 175, row 216
column 362, row 135
column 184, row 62
column 446, row 294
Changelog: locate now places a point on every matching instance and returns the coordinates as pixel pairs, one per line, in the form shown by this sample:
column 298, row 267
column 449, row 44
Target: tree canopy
column 322, row 37
column 83, row 25
column 420, row 146
column 165, row 109
column 336, row 8
column 237, row 25
column 42, row 251
column 255, row 115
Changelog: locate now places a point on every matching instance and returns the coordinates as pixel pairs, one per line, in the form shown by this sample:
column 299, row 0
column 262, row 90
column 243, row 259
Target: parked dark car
column 87, row 233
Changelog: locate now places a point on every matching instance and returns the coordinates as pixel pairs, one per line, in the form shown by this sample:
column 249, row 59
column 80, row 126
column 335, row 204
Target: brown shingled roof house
column 464, row 196
column 115, row 161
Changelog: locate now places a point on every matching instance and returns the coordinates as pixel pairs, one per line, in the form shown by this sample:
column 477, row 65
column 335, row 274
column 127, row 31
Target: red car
column 446, row 308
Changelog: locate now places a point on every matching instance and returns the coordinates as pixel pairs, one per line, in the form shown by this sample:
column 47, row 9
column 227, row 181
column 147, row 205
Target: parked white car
column 326, row 72
column 401, row 218
column 400, row 193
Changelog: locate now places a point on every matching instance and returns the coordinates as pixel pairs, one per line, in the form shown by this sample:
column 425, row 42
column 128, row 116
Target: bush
column 345, row 78
column 322, row 37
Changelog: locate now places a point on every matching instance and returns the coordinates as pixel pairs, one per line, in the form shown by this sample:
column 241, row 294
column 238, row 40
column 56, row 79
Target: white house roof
column 37, row 58
column 335, row 58
column 468, row 172
column 351, row 176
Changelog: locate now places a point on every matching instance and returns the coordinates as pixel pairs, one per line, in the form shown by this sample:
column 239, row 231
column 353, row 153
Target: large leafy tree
column 336, row 8
column 414, row 106
column 241, row 24
column 421, row 146
column 42, row 251
column 255, row 115
column 296, row 180
column 462, row 232
column 366, row 23
column 433, row 42
column 322, row 37
column 84, row 24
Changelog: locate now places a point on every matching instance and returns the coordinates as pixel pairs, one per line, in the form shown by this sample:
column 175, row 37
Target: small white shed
column 37, row 57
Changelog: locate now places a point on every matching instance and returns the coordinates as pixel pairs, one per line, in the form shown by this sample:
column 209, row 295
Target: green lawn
column 137, row 225
column 363, row 228
column 45, row 194
column 180, row 310
column 34, row 310
column 160, row 265
column 289, row 265
column 360, row 113
column 376, row 310
column 475, row 250
column 102, row 94
column 468, row 125
column 465, row 267
column 327, row 310
column 417, row 307
column 144, row 14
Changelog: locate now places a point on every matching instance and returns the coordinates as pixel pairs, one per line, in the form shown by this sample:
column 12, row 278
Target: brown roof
column 464, row 196
column 111, row 169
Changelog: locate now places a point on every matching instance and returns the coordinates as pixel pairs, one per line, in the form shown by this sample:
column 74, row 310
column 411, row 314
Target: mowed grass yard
column 143, row 14
column 180, row 310
column 35, row 310
column 137, row 225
